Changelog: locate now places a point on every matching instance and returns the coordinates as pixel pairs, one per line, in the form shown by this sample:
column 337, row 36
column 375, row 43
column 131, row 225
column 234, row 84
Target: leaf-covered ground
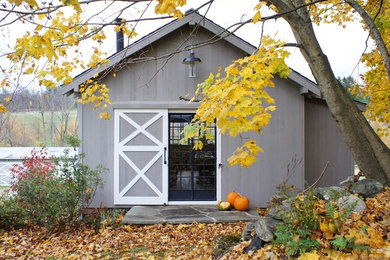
column 369, row 229
column 194, row 241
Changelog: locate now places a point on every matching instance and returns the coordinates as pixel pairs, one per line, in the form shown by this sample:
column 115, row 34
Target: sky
column 343, row 47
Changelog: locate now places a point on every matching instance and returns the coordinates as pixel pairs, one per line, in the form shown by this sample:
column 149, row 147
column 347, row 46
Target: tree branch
column 374, row 31
column 189, row 99
column 319, row 178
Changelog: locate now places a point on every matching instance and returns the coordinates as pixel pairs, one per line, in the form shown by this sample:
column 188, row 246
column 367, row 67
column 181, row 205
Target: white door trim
column 219, row 164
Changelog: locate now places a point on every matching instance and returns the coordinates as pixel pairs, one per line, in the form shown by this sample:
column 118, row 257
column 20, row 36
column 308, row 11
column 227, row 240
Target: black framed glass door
column 192, row 173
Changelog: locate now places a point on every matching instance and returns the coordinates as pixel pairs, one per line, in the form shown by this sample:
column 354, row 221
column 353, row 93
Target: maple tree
column 238, row 97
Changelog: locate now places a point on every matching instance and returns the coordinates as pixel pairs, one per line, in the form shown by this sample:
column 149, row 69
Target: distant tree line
column 349, row 83
column 27, row 101
column 35, row 118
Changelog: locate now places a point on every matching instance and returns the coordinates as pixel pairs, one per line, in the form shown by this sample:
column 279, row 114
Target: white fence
column 14, row 155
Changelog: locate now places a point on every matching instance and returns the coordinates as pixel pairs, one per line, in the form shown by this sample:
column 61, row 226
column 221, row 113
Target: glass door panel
column 192, row 173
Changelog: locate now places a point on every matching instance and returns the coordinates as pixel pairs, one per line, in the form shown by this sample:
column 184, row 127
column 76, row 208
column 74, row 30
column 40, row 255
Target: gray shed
column 140, row 144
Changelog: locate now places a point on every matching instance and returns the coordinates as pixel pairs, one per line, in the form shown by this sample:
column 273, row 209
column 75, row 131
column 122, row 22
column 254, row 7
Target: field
column 34, row 129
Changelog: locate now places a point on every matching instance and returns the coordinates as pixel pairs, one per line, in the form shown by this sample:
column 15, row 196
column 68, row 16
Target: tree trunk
column 52, row 127
column 43, row 125
column 369, row 152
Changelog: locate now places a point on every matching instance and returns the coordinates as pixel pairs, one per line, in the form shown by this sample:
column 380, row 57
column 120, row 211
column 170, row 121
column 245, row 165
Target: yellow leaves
column 309, row 256
column 94, row 92
column 96, row 59
column 36, row 46
column 170, row 7
column 376, row 82
column 332, row 11
column 259, row 5
column 245, row 155
column 327, row 229
column 270, row 108
column 74, row 3
column 256, row 17
column 47, row 83
column 371, row 237
column 190, row 241
column 358, row 238
column 238, row 100
column 31, row 3
column 104, row 115
column 49, row 43
column 67, row 80
column 39, row 27
column 190, row 131
column 198, row 145
column 4, row 83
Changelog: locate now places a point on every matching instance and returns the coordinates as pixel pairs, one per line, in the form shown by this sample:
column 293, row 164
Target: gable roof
column 193, row 18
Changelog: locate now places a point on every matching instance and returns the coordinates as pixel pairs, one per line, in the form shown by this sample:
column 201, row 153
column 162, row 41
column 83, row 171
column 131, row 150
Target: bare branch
column 374, row 31
column 319, row 178
column 189, row 99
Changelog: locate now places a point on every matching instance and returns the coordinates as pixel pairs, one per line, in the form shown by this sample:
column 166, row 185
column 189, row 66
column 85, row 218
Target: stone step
column 145, row 215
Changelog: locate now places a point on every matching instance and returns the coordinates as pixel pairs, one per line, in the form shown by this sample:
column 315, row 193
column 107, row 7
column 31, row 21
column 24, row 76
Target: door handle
column 165, row 155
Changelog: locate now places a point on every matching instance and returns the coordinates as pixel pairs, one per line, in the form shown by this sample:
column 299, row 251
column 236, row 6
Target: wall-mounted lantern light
column 191, row 62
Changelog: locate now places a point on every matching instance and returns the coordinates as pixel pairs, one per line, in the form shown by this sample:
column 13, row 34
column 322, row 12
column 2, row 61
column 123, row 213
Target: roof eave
column 193, row 18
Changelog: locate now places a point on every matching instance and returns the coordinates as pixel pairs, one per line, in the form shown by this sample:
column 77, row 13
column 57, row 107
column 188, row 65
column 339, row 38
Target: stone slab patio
column 144, row 215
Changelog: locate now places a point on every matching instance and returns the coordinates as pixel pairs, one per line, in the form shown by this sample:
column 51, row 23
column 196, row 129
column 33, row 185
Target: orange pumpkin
column 241, row 203
column 231, row 197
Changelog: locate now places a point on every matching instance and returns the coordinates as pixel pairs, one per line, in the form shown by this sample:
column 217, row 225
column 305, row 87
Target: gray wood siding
column 155, row 85
column 323, row 143
column 282, row 140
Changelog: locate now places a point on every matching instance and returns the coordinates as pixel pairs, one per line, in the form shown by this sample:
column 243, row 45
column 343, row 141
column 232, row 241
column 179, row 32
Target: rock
column 292, row 192
column 224, row 243
column 366, row 187
column 278, row 211
column 265, row 228
column 330, row 193
column 287, row 203
column 348, row 181
column 247, row 233
column 351, row 201
column 255, row 245
column 289, row 192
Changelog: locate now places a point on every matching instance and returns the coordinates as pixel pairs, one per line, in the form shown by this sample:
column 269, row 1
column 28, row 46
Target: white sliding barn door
column 140, row 156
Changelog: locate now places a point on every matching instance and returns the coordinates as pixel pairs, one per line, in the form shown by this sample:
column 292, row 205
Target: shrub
column 104, row 217
column 52, row 191
column 11, row 213
column 295, row 232
column 348, row 244
column 308, row 220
